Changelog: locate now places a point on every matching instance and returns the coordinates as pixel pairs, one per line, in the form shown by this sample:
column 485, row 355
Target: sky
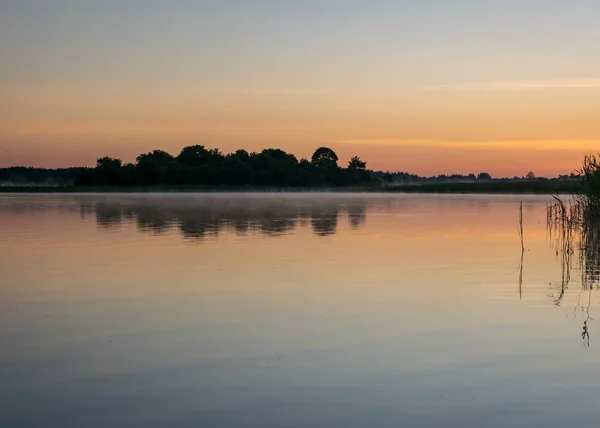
column 426, row 86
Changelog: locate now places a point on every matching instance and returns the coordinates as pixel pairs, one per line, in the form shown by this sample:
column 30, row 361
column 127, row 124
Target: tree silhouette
column 237, row 168
column 198, row 165
column 195, row 156
column 108, row 171
column 275, row 167
column 356, row 164
column 324, row 157
column 151, row 168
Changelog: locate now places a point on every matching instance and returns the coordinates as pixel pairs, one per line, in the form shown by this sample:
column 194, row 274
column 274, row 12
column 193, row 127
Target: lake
column 291, row 310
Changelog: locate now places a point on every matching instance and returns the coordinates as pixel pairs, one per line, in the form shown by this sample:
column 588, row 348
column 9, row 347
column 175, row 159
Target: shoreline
column 493, row 187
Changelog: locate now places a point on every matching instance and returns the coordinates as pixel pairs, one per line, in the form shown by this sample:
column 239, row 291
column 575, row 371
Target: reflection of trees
column 357, row 213
column 108, row 215
column 276, row 226
column 324, row 224
column 149, row 219
column 196, row 228
column 204, row 217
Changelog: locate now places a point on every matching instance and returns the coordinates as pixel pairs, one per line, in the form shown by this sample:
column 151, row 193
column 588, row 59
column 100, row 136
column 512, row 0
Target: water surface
column 287, row 310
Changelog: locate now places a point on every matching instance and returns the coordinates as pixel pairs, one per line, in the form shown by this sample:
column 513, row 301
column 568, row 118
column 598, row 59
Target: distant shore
column 492, row 187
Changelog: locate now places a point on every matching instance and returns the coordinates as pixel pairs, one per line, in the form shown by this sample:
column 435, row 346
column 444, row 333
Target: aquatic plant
column 590, row 178
column 576, row 223
column 574, row 227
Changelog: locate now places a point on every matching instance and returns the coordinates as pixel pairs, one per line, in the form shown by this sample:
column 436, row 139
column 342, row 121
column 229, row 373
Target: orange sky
column 456, row 93
column 507, row 132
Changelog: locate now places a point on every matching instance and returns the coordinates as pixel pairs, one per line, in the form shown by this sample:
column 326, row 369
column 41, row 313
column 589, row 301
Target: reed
column 522, row 251
column 521, row 227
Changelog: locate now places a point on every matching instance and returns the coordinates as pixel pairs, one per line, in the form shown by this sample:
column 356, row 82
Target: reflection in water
column 201, row 219
column 328, row 330
column 324, row 223
column 573, row 229
column 357, row 214
column 521, row 274
column 522, row 251
column 585, row 334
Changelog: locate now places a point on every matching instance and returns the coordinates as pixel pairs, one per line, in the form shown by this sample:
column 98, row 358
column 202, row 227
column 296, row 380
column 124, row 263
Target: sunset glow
column 504, row 87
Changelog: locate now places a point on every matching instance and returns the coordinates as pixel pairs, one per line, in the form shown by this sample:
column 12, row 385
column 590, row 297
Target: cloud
column 520, row 85
column 583, row 145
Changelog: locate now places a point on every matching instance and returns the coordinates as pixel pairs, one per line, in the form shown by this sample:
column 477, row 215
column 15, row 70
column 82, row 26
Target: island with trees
column 198, row 168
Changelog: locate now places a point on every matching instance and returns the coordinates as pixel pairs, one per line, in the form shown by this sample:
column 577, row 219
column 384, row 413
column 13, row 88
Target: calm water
column 280, row 310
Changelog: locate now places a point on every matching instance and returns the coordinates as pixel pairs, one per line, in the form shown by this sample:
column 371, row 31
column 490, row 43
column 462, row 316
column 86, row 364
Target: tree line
column 27, row 176
column 198, row 165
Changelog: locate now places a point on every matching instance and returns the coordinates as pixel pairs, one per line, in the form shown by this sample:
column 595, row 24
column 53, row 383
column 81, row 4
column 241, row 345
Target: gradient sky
column 422, row 86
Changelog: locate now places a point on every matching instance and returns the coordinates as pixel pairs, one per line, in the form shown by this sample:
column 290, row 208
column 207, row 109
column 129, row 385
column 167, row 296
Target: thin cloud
column 583, row 145
column 520, row 85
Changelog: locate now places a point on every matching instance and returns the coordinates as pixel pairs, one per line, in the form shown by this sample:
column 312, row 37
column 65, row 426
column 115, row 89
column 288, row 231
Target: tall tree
column 198, row 155
column 108, row 171
column 356, row 164
column 324, row 156
column 151, row 168
column 275, row 167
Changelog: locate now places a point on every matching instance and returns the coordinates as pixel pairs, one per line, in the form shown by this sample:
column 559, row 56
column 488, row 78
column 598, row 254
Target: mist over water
column 270, row 310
